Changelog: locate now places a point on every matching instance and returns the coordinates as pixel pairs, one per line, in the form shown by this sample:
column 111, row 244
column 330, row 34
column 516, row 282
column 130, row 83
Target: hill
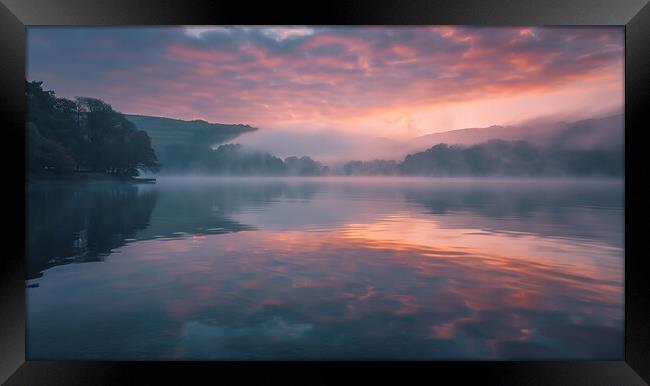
column 167, row 131
column 604, row 132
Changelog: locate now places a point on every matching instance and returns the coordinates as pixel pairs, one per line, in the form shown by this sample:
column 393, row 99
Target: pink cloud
column 334, row 77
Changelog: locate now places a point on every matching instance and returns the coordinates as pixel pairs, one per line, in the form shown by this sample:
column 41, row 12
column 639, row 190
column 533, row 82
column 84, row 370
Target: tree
column 304, row 166
column 85, row 134
column 512, row 158
column 140, row 152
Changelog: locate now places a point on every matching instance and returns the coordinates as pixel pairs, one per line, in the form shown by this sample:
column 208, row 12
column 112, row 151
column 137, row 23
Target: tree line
column 235, row 159
column 497, row 158
column 491, row 158
column 84, row 134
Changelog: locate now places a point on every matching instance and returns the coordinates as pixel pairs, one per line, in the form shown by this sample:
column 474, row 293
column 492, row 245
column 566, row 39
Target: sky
column 389, row 82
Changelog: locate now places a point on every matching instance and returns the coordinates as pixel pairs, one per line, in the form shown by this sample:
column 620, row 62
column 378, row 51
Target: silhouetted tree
column 85, row 134
column 512, row 158
column 304, row 166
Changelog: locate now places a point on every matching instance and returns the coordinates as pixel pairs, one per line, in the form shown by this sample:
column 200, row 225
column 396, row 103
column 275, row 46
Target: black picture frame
column 15, row 15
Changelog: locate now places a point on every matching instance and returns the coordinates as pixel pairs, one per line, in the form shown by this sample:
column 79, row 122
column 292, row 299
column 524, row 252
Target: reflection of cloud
column 407, row 230
column 208, row 340
column 515, row 295
column 328, row 290
column 587, row 210
column 394, row 283
column 583, row 210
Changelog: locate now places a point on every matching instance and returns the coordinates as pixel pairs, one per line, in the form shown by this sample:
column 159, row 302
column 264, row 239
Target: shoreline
column 534, row 180
column 86, row 177
column 519, row 180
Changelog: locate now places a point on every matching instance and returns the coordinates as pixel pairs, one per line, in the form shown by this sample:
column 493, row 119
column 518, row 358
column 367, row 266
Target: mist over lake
column 325, row 192
column 326, row 268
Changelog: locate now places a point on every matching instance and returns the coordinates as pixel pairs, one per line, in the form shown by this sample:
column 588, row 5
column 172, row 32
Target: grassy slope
column 167, row 131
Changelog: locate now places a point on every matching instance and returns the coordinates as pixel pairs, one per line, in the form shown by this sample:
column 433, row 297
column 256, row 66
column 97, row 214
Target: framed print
column 417, row 188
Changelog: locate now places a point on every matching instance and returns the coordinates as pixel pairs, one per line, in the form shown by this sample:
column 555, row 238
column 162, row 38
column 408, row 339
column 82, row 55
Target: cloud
column 311, row 78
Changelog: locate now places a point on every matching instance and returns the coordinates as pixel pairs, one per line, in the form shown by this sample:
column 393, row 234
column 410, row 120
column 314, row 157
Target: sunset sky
column 395, row 82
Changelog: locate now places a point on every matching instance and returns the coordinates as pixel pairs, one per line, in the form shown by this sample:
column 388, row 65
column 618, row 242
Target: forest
column 82, row 135
column 236, row 159
column 498, row 158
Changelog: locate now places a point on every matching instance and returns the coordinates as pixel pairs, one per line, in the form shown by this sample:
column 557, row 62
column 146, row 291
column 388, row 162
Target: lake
column 326, row 268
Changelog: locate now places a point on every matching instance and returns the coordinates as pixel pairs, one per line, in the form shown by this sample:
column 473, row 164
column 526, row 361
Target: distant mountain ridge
column 336, row 147
column 171, row 137
column 606, row 132
column 168, row 131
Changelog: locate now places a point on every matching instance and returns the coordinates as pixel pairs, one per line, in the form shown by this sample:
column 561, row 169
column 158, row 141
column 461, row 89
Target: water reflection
column 327, row 269
column 72, row 223
column 586, row 209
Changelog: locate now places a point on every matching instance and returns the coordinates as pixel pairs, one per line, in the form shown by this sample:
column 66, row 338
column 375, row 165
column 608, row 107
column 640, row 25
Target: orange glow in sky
column 395, row 82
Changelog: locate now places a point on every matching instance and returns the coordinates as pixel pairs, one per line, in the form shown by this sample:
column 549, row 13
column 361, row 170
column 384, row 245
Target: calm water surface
column 193, row 268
